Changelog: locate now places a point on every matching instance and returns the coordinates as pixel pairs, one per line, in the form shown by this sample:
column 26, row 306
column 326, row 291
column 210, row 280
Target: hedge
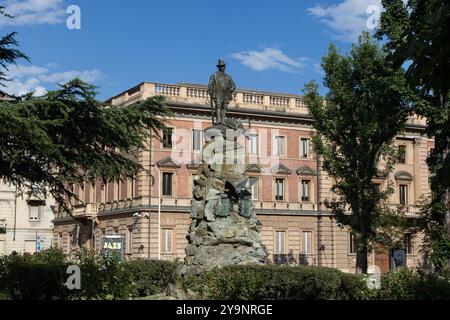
column 411, row 284
column 103, row 277
column 43, row 277
column 151, row 277
column 37, row 277
column 276, row 283
column 33, row 281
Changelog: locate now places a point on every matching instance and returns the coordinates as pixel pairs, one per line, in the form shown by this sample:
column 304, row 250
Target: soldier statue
column 221, row 88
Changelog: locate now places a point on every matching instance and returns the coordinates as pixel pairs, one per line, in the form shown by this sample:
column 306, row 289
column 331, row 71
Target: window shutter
column 307, row 242
column 34, row 213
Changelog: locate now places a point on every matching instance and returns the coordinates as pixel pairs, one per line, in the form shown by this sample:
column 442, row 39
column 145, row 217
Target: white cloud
column 270, row 58
column 318, row 69
column 33, row 12
column 26, row 79
column 21, row 71
column 349, row 18
column 22, row 86
column 61, row 77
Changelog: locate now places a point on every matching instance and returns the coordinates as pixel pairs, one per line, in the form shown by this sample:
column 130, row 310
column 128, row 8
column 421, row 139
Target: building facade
column 25, row 222
column 152, row 213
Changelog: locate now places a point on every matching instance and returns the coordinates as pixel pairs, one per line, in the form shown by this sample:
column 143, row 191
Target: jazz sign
column 113, row 244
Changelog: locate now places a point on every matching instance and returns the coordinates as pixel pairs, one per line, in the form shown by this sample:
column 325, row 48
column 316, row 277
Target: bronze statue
column 221, row 88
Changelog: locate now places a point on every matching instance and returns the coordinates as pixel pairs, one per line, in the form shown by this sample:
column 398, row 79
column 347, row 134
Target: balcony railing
column 89, row 209
column 251, row 98
column 167, row 90
column 242, row 98
column 408, row 209
column 197, row 93
column 279, row 101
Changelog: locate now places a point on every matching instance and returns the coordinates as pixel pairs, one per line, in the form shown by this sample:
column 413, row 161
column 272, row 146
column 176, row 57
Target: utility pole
column 151, row 181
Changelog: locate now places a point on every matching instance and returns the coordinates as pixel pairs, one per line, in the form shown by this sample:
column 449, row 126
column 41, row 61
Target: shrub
column 410, row 284
column 43, row 276
column 151, row 277
column 3, row 263
column 102, row 277
column 37, row 277
column 275, row 282
column 92, row 277
column 36, row 281
column 50, row 256
column 117, row 279
column 399, row 285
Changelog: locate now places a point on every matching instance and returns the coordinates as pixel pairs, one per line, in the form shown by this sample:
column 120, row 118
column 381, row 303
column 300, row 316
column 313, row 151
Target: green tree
column 9, row 54
column 366, row 106
column 49, row 144
column 417, row 36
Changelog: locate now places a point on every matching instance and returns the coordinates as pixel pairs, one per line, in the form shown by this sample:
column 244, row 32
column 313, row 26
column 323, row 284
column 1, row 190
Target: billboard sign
column 113, row 244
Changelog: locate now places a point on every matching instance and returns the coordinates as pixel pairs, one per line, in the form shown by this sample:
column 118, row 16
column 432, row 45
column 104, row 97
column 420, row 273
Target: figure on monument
column 224, row 228
column 221, row 88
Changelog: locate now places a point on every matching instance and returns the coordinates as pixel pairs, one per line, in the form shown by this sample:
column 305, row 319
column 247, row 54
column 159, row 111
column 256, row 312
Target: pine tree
column 49, row 144
column 9, row 54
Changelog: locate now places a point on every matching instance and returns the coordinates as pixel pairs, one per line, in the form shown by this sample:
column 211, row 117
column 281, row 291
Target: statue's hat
column 221, row 63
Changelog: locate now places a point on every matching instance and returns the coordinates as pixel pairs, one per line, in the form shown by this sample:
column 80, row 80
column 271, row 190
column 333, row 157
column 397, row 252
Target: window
column 402, row 154
column 352, row 244
column 166, row 244
column 80, row 240
column 279, row 185
column 117, row 185
column 167, row 138
column 307, row 247
column 408, row 244
column 77, row 237
column 197, row 140
column 279, row 146
column 305, row 148
column 34, row 213
column 254, row 188
column 253, row 145
column 167, row 184
column 305, row 190
column 110, row 192
column 70, row 242
column 403, row 194
column 133, row 188
column 377, row 188
column 280, row 242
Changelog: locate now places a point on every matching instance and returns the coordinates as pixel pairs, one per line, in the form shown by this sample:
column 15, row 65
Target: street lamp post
column 159, row 212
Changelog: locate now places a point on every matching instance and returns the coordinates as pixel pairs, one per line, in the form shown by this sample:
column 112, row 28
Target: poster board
column 113, row 244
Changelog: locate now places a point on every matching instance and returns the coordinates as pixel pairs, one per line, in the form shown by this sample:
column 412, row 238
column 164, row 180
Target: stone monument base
column 224, row 229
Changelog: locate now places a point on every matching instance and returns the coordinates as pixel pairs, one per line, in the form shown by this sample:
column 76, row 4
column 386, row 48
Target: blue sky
column 269, row 45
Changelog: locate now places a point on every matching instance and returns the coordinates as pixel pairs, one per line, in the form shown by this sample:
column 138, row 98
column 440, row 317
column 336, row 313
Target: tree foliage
column 417, row 36
column 366, row 107
column 9, row 53
column 68, row 137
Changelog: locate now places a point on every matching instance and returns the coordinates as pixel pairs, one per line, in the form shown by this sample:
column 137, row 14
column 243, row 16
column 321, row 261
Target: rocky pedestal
column 224, row 229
